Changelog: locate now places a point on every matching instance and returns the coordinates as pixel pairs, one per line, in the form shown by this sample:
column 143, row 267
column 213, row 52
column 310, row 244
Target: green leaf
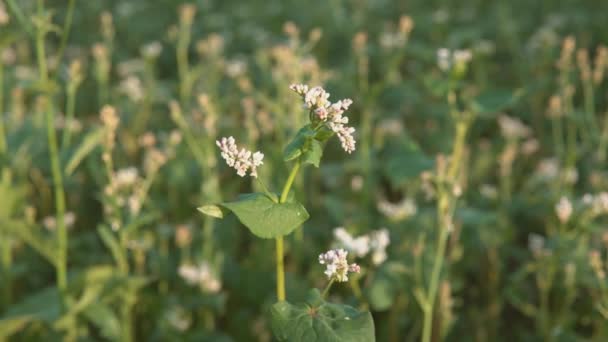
column 45, row 245
column 113, row 245
column 493, row 101
column 317, row 320
column 105, row 320
column 323, row 134
column 13, row 325
column 44, row 305
column 313, row 154
column 299, row 144
column 88, row 144
column 264, row 217
column 212, row 210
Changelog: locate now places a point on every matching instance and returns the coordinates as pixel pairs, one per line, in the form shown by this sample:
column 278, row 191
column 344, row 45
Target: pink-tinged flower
column 243, row 160
column 300, row 89
column 336, row 265
column 317, row 100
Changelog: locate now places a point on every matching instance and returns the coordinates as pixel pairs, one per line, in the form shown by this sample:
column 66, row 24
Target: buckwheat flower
column 398, row 211
column 243, row 160
column 300, row 89
column 444, row 59
column 179, row 318
column 512, row 128
column 336, row 265
column 356, row 183
column 563, row 209
column 133, row 88
column 536, row 243
column 125, row 178
column 201, row 275
column 152, row 50
column 462, row 56
column 4, row 17
column 317, row 100
column 548, row 169
column 360, row 245
column 147, row 140
column 595, row 260
column 316, row 97
column 379, row 240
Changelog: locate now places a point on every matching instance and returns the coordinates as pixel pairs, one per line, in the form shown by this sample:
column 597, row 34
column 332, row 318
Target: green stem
column 59, row 200
column 19, row 15
column 279, row 240
column 69, row 116
column 66, row 30
column 280, row 270
column 183, row 64
column 326, row 291
column 289, row 182
column 434, row 285
column 62, row 238
column 445, row 207
column 3, row 146
column 7, row 260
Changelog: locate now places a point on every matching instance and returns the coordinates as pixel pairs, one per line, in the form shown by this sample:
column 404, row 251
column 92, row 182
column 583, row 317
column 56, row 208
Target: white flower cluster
column 446, row 59
column 337, row 267
column 374, row 242
column 201, row 275
column 598, row 203
column 563, row 209
column 317, row 100
column 398, row 211
column 512, row 128
column 243, row 160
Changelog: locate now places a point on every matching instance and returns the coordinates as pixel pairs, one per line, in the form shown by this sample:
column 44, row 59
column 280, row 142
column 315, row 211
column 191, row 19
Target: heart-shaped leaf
column 307, row 144
column 317, row 320
column 264, row 217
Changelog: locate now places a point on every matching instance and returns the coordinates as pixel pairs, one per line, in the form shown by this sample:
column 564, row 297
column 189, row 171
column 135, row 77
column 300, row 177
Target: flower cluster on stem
column 336, row 265
column 243, row 160
column 316, row 99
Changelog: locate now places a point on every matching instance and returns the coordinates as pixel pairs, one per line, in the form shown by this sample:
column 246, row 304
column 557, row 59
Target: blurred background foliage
column 526, row 259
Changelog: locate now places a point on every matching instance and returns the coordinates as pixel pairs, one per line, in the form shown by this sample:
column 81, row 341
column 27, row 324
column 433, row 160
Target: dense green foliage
column 488, row 172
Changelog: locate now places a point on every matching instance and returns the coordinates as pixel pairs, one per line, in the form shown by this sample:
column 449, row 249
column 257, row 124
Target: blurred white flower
column 512, row 128
column 563, row 209
column 200, row 275
column 152, row 50
column 443, row 59
column 548, row 169
column 398, row 211
column 536, row 243
column 360, row 246
column 447, row 59
column 179, row 318
column 125, row 178
column 356, row 183
column 132, row 87
column 4, row 17
column 50, row 222
column 374, row 242
column 379, row 240
column 488, row 191
column 336, row 265
column 243, row 160
column 236, row 68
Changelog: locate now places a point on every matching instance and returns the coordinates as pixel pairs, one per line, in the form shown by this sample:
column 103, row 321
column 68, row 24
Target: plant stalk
column 279, row 240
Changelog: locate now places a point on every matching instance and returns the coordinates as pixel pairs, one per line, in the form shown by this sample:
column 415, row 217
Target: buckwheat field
column 283, row 170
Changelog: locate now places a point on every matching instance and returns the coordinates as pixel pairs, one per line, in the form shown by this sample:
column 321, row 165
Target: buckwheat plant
column 272, row 215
